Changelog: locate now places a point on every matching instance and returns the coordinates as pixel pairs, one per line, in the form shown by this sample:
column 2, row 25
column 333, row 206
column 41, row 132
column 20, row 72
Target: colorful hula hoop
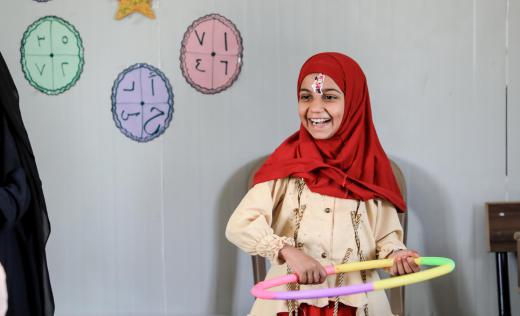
column 443, row 266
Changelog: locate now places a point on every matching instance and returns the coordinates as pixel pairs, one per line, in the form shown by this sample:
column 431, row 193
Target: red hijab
column 351, row 164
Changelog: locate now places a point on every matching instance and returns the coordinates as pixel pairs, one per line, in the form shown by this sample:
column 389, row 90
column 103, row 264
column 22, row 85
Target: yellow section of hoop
column 443, row 266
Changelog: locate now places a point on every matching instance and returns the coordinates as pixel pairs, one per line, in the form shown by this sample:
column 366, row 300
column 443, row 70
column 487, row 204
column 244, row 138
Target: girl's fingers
column 406, row 265
column 414, row 265
column 310, row 277
column 400, row 268
column 317, row 276
column 323, row 275
column 404, row 262
column 302, row 279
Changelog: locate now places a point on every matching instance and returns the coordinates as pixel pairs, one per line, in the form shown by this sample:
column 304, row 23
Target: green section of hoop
column 436, row 261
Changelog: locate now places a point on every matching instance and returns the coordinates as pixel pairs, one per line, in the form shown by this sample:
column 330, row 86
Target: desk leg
column 504, row 305
column 516, row 236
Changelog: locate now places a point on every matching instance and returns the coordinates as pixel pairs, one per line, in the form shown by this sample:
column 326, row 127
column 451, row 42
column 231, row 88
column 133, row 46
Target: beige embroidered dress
column 331, row 230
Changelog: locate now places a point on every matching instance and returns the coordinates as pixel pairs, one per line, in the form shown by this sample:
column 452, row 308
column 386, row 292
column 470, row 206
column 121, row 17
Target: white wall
column 138, row 228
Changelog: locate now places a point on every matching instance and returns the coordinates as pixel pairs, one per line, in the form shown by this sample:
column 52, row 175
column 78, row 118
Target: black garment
column 24, row 224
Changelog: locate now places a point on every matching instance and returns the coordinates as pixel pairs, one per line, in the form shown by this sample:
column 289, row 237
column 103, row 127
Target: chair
column 395, row 295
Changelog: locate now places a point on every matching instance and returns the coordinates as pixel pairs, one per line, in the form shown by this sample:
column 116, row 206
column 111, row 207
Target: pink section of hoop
column 259, row 290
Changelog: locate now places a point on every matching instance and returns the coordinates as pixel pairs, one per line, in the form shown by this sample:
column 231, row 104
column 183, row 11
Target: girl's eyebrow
column 324, row 90
column 332, row 89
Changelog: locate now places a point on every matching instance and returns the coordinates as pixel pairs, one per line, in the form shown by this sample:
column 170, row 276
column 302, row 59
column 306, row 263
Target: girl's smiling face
column 320, row 114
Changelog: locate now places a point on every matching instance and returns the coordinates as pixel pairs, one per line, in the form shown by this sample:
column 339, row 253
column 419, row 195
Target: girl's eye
column 329, row 97
column 305, row 97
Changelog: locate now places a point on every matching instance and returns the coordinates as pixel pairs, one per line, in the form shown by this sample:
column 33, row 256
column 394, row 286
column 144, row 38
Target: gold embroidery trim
column 356, row 221
column 293, row 305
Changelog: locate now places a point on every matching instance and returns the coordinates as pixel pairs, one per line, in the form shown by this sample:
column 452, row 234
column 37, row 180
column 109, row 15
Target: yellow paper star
column 127, row 7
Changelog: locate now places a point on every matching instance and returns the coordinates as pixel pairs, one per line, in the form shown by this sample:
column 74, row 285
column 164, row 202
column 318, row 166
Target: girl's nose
column 316, row 105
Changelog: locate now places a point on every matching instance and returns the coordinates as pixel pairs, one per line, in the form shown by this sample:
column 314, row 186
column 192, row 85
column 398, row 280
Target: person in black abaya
column 24, row 224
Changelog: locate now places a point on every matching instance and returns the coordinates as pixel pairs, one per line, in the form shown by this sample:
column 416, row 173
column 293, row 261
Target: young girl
column 326, row 195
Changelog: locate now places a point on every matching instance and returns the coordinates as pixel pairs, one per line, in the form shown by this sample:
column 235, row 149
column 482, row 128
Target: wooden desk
column 503, row 221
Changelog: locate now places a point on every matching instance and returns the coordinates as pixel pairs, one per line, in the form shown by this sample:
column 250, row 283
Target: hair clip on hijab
column 317, row 86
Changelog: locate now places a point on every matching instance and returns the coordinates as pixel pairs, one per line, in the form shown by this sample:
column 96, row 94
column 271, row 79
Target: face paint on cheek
column 317, row 86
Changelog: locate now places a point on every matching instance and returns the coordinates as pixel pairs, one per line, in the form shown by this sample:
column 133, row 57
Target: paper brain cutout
column 52, row 55
column 142, row 102
column 211, row 54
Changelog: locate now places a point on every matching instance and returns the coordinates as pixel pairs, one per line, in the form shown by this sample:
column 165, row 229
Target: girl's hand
column 404, row 262
column 308, row 269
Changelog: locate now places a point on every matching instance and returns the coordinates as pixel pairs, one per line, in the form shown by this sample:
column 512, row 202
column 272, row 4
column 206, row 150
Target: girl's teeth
column 319, row 121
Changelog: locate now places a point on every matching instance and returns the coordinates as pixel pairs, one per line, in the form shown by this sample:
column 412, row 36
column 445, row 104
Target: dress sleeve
column 388, row 231
column 15, row 195
column 249, row 227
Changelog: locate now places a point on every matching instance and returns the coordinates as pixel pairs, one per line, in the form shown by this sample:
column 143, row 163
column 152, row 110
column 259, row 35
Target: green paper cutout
column 52, row 55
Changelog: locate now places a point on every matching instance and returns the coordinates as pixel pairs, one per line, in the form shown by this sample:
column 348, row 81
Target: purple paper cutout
column 142, row 102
